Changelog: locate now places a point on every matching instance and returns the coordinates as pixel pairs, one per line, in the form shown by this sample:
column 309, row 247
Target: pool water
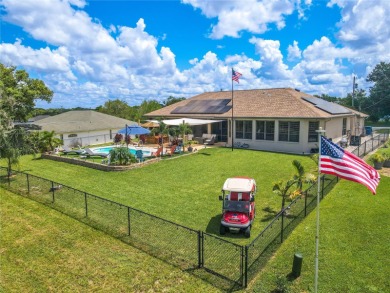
column 147, row 152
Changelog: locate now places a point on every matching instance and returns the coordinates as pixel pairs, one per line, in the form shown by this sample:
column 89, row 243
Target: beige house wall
column 333, row 128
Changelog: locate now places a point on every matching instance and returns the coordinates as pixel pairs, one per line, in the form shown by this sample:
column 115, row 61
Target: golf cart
column 238, row 208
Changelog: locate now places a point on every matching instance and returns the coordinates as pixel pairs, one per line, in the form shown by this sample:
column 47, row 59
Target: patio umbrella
column 150, row 124
column 133, row 130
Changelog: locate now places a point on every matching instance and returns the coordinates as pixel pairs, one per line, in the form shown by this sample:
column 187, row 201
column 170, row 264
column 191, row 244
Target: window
column 344, row 126
column 72, row 135
column 265, row 130
column 313, row 135
column 289, row 131
column 244, row 129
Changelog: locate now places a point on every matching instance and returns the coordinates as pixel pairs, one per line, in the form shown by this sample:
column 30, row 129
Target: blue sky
column 89, row 52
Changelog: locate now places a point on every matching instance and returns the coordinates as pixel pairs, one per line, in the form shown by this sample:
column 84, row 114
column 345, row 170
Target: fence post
column 246, row 267
column 86, row 204
column 52, row 191
column 281, row 232
column 200, row 249
column 305, row 203
column 128, row 221
column 28, row 184
column 9, row 177
column 365, row 148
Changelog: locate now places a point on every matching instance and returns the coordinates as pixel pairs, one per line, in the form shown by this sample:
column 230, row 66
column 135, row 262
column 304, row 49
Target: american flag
column 236, row 75
column 336, row 161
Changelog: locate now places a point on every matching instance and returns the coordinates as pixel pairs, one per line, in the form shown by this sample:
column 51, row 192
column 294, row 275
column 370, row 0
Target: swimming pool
column 147, row 152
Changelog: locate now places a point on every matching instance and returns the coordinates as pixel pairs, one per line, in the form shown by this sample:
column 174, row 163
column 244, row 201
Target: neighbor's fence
column 371, row 145
column 184, row 247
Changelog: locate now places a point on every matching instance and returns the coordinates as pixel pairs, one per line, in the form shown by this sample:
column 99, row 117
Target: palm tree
column 301, row 176
column 49, row 141
column 282, row 189
column 13, row 144
column 184, row 129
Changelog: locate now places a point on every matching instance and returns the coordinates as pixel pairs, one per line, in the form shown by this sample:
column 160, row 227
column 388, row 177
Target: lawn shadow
column 213, row 225
column 271, row 214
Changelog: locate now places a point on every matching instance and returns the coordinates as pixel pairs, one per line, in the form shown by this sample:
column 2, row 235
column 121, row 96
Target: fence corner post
column 200, row 249
column 245, row 276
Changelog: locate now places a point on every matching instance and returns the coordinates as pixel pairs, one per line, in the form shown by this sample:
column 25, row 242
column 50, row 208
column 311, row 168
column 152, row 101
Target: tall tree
column 116, row 108
column 18, row 94
column 379, row 99
column 146, row 107
column 172, row 100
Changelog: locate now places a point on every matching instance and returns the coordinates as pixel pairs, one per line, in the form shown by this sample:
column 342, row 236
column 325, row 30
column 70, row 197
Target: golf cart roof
column 239, row 184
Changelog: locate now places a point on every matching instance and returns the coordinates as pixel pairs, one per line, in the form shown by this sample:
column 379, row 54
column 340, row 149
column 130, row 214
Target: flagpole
column 320, row 133
column 232, row 113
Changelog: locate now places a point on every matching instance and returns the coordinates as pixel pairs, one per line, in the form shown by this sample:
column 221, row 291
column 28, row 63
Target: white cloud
column 251, row 15
column 85, row 63
column 271, row 58
column 41, row 60
column 293, row 52
column 365, row 28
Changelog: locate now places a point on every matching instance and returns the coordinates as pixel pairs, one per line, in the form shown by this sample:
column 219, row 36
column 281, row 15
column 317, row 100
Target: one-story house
column 279, row 119
column 84, row 127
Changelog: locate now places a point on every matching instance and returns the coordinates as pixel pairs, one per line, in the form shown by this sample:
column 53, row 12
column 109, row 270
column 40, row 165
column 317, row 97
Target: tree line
column 376, row 103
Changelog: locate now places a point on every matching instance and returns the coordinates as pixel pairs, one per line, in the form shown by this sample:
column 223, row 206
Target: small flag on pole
column 236, row 75
column 335, row 160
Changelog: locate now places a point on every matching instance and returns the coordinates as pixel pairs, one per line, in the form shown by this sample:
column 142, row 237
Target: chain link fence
column 179, row 245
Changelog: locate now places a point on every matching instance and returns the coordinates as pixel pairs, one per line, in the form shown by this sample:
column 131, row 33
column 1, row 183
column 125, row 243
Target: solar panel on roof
column 216, row 106
column 326, row 106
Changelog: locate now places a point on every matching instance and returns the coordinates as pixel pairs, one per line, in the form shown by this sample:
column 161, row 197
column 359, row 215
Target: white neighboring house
column 84, row 127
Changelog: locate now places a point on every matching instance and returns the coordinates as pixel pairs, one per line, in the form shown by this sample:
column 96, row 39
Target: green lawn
column 354, row 244
column 36, row 241
column 185, row 189
column 43, row 250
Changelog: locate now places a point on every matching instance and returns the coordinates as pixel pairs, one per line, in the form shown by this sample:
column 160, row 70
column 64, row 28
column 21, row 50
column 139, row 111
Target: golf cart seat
column 239, row 196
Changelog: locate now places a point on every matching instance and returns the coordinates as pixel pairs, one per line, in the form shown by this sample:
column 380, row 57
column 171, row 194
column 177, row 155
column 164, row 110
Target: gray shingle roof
column 80, row 121
column 267, row 103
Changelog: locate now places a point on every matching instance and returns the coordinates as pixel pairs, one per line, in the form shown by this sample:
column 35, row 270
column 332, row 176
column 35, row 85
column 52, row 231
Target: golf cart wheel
column 222, row 230
column 247, row 232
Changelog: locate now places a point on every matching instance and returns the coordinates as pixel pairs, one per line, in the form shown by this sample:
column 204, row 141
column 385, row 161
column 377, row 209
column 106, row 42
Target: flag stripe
column 236, row 75
column 335, row 161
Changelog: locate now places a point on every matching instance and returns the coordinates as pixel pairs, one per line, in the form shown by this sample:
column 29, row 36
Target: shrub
column 376, row 158
column 120, row 156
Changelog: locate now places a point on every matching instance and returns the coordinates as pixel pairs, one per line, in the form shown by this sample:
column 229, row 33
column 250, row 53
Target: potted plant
column 189, row 146
column 386, row 161
column 377, row 160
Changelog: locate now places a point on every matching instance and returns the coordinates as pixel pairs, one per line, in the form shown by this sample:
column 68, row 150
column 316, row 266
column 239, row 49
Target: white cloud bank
column 85, row 63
